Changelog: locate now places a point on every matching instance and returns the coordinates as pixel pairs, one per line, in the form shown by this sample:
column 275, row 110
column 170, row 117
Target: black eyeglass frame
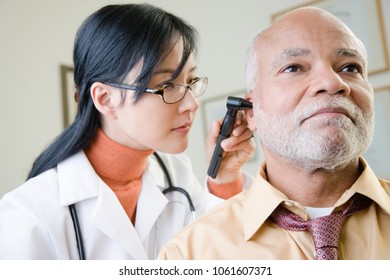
column 160, row 91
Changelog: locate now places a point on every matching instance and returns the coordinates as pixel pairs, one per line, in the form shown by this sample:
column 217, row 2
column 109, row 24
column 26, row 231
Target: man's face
column 313, row 104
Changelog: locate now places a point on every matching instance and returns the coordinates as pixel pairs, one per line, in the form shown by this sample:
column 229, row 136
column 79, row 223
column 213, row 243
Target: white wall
column 37, row 36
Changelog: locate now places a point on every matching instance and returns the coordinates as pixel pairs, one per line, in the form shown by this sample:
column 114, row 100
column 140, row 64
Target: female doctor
column 115, row 184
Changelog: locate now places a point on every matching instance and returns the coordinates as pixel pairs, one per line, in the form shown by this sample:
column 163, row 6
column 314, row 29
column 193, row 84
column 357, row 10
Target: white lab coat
column 35, row 222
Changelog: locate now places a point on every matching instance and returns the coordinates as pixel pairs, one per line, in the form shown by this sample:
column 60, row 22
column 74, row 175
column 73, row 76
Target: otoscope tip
column 238, row 103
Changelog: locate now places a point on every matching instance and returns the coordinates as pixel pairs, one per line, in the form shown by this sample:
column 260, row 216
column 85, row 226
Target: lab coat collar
column 75, row 180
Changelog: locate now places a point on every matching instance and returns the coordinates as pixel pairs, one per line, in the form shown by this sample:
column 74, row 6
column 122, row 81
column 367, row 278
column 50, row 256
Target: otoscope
column 233, row 104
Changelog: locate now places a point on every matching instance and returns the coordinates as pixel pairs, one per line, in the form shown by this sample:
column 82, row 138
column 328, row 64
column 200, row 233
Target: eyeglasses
column 171, row 93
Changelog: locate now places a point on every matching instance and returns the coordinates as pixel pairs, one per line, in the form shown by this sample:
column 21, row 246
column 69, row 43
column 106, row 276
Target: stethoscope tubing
column 171, row 188
column 77, row 230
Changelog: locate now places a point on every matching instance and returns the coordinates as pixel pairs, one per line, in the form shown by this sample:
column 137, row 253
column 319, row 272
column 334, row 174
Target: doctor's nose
column 190, row 102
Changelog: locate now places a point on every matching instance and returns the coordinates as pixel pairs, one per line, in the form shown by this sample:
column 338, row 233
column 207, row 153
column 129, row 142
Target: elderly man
column 315, row 197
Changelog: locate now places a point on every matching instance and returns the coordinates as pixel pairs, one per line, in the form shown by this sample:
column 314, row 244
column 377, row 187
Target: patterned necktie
column 324, row 230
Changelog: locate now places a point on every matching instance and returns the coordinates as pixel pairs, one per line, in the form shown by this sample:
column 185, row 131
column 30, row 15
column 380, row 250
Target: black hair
column 109, row 43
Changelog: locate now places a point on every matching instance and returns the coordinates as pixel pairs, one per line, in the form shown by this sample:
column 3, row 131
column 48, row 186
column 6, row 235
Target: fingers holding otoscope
column 235, row 136
column 237, row 140
column 240, row 133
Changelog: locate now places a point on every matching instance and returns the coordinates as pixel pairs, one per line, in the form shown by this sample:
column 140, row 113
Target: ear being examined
column 249, row 113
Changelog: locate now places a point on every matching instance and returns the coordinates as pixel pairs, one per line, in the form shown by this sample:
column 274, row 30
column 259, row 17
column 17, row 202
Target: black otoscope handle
column 226, row 130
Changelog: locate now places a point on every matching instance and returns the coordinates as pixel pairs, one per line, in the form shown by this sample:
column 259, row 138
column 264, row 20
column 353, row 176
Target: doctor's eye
column 193, row 81
column 168, row 87
column 352, row 68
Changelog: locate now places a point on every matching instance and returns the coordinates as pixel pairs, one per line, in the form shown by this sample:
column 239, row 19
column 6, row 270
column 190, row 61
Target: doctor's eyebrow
column 288, row 53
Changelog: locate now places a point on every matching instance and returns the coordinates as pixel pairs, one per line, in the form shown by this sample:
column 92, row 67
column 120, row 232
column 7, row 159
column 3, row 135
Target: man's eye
column 353, row 68
column 291, row 68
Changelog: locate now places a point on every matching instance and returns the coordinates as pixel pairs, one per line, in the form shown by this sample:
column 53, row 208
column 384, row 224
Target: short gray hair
column 252, row 63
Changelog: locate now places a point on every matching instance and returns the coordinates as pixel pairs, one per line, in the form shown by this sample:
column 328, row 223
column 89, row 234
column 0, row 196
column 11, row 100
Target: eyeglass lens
column 174, row 92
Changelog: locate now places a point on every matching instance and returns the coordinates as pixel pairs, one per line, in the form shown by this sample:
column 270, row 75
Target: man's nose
column 329, row 81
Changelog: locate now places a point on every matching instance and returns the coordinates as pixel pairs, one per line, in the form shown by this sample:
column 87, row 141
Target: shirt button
column 288, row 203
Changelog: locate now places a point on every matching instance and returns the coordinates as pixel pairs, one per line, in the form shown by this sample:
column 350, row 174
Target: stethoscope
column 171, row 188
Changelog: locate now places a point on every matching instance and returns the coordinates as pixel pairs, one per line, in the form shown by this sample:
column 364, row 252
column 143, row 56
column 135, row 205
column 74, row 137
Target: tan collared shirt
column 240, row 228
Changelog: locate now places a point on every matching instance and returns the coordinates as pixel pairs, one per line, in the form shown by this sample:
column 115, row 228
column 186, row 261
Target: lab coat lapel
column 110, row 218
column 151, row 203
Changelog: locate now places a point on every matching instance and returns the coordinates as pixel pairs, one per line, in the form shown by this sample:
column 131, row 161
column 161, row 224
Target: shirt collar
column 369, row 185
column 259, row 201
column 262, row 198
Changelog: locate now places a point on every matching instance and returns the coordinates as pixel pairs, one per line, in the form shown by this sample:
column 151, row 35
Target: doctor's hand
column 237, row 149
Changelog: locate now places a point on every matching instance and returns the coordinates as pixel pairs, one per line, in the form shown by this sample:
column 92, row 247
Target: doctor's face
column 313, row 104
column 151, row 123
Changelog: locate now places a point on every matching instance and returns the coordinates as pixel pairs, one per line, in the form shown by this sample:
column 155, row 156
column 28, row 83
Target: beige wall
column 37, row 36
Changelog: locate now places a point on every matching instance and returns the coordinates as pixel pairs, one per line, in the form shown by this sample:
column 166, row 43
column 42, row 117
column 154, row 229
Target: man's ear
column 249, row 113
column 105, row 101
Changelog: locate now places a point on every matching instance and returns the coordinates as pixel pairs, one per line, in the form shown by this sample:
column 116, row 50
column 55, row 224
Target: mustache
column 351, row 110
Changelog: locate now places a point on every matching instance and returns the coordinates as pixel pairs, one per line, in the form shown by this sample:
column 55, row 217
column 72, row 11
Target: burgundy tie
column 324, row 230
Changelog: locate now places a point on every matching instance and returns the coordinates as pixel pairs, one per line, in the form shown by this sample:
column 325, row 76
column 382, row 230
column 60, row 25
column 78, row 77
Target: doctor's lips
column 183, row 128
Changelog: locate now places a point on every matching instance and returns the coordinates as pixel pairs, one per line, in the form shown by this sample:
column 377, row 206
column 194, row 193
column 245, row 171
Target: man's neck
column 321, row 188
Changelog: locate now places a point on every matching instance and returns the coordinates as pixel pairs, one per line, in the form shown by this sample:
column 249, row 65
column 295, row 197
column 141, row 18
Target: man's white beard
column 316, row 143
